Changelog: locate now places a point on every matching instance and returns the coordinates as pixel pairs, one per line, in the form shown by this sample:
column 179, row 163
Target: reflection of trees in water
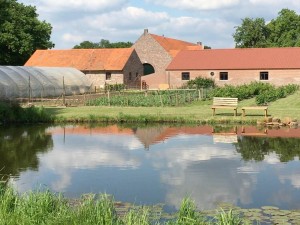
column 255, row 148
column 19, row 147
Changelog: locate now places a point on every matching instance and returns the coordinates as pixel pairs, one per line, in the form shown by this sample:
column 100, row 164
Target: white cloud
column 197, row 4
column 77, row 5
column 127, row 18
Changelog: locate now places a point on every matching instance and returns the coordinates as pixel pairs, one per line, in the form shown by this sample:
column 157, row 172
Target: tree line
column 283, row 31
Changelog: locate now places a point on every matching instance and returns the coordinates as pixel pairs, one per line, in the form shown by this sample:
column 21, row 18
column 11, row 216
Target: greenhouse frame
column 39, row 82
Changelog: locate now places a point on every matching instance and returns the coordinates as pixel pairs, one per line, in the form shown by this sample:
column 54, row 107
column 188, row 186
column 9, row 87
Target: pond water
column 249, row 167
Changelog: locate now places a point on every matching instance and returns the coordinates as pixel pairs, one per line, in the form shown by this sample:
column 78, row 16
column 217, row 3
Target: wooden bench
column 224, row 103
column 265, row 108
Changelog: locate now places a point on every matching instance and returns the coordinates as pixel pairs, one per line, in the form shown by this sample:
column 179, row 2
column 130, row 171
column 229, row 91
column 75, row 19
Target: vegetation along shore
column 283, row 103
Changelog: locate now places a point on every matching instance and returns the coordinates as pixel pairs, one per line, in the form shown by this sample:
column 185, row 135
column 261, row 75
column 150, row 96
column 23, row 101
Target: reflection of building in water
column 151, row 135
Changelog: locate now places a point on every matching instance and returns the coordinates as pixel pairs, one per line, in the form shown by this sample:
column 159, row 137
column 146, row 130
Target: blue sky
column 210, row 21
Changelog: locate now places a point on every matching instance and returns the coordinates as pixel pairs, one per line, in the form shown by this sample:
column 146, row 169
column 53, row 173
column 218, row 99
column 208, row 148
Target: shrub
column 13, row 112
column 201, row 82
column 114, row 87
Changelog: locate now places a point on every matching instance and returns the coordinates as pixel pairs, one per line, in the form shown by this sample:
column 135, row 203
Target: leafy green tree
column 86, row 45
column 252, row 33
column 285, row 29
column 21, row 33
column 103, row 44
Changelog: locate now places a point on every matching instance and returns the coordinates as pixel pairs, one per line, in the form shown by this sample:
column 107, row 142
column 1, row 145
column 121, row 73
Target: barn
column 156, row 52
column 101, row 66
column 277, row 66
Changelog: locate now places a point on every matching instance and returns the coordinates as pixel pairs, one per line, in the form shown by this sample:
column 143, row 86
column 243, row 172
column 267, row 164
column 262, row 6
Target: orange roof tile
column 246, row 58
column 82, row 59
column 174, row 46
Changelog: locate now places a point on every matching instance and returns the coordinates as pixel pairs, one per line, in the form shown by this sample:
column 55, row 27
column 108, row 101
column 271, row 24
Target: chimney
column 145, row 31
column 199, row 43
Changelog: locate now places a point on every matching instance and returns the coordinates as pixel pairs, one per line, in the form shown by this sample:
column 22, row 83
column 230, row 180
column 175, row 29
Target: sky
column 211, row 22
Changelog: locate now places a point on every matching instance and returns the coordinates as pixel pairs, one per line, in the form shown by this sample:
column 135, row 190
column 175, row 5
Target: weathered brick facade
column 158, row 51
column 130, row 75
column 237, row 77
column 151, row 52
column 133, row 71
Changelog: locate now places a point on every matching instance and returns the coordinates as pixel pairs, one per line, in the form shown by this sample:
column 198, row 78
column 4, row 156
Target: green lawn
column 196, row 112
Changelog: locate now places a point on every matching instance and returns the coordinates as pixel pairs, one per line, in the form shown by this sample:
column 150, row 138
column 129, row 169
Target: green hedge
column 263, row 92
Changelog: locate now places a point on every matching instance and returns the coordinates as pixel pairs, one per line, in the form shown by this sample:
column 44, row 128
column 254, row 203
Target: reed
column 45, row 207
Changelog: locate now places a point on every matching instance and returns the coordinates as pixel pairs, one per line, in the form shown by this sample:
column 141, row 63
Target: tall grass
column 45, row 207
column 14, row 113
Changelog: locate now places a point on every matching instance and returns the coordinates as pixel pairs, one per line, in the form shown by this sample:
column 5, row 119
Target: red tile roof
column 173, row 46
column 247, row 58
column 82, row 59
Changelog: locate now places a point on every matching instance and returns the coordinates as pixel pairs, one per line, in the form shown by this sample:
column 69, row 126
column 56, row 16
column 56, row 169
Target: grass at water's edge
column 197, row 113
column 45, row 207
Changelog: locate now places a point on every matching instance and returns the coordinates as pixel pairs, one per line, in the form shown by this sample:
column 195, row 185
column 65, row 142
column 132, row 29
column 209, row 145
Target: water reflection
column 19, row 147
column 212, row 165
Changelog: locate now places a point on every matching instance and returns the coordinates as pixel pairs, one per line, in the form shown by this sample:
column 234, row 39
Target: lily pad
column 269, row 207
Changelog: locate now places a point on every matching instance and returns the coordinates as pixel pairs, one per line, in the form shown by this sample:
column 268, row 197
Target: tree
column 103, row 44
column 285, row 29
column 86, row 44
column 253, row 33
column 21, row 33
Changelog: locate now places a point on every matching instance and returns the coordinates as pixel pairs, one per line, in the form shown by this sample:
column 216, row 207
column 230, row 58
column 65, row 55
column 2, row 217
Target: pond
column 249, row 167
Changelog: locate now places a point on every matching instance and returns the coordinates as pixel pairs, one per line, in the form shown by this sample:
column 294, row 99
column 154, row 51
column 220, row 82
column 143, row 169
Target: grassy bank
column 48, row 208
column 197, row 112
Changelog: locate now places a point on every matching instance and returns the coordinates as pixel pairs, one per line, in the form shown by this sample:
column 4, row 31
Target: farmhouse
column 278, row 66
column 156, row 52
column 101, row 66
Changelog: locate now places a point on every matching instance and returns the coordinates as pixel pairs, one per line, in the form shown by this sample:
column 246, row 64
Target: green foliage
column 282, row 31
column 114, row 87
column 273, row 93
column 264, row 92
column 188, row 214
column 148, row 99
column 200, row 82
column 103, row 44
column 227, row 218
column 14, row 113
column 21, row 33
column 251, row 33
column 285, row 29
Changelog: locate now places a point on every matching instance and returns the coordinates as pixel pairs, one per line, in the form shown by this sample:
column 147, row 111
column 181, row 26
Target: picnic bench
column 265, row 108
column 224, row 103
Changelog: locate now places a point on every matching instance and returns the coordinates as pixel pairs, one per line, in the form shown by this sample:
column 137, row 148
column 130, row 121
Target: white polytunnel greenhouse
column 36, row 82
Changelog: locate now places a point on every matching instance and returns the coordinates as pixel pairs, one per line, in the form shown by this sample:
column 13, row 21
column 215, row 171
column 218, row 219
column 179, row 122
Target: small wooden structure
column 265, row 108
column 224, row 103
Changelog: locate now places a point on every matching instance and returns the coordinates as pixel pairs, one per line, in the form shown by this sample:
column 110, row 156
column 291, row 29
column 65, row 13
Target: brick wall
column 238, row 77
column 149, row 51
column 134, row 67
column 98, row 78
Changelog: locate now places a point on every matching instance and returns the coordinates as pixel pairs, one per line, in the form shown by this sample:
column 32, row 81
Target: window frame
column 130, row 76
column 264, row 75
column 108, row 76
column 223, row 75
column 185, row 76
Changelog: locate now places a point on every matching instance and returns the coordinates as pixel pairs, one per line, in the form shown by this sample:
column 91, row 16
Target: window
column 136, row 74
column 108, row 76
column 264, row 75
column 223, row 75
column 148, row 69
column 130, row 76
column 185, row 76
